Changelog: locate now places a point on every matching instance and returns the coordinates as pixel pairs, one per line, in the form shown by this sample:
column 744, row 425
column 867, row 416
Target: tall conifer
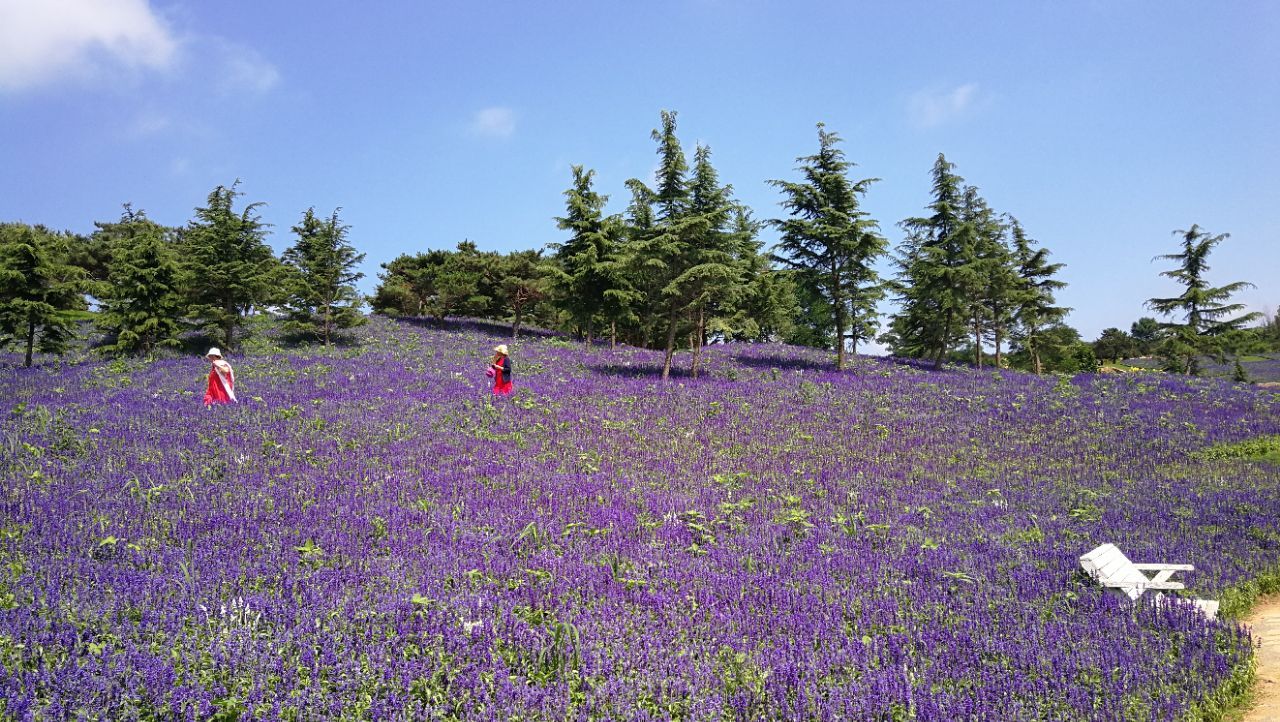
column 938, row 278
column 831, row 243
column 1035, row 308
column 39, row 290
column 230, row 267
column 1206, row 317
column 143, row 297
column 322, row 295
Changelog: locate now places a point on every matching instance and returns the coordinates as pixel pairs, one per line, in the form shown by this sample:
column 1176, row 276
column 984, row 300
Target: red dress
column 501, row 378
column 222, row 384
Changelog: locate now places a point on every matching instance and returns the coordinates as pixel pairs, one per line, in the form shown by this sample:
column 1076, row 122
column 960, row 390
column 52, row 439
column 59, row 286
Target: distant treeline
column 681, row 268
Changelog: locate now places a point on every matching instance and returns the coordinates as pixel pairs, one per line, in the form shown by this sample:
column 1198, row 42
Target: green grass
column 1262, row 448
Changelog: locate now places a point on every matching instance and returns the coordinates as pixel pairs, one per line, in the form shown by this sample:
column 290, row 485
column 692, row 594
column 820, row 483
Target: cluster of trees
column 153, row 283
column 684, row 264
column 1205, row 323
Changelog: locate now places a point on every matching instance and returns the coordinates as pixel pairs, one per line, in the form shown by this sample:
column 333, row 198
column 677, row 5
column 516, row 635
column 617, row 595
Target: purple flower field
column 369, row 535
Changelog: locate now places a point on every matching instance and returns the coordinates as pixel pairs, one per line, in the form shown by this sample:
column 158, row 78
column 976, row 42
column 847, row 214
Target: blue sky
column 1102, row 126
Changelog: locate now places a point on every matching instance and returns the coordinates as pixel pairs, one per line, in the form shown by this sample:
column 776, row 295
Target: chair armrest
column 1146, row 585
column 1160, row 567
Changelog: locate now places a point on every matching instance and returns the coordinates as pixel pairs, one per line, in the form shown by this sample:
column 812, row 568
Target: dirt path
column 1265, row 621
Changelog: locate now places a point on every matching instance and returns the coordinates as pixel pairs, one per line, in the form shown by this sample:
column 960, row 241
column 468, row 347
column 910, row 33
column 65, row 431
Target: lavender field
column 369, row 535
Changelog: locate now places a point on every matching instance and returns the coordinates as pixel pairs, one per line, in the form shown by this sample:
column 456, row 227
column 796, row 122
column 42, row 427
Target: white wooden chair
column 1113, row 570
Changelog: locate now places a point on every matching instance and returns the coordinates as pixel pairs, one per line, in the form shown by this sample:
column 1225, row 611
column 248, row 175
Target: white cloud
column 930, row 108
column 243, row 69
column 150, row 123
column 496, row 122
column 44, row 40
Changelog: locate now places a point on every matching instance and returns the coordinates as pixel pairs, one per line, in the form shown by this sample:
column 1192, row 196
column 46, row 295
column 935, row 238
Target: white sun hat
column 215, row 351
column 500, row 348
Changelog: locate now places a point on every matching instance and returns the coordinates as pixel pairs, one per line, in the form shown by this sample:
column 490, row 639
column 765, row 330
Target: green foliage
column 1261, row 448
column 1059, row 349
column 143, row 297
column 39, row 290
column 1035, row 308
column 589, row 278
column 831, row 245
column 1146, row 333
column 229, row 268
column 322, row 297
column 1207, row 327
column 939, row 275
column 1114, row 345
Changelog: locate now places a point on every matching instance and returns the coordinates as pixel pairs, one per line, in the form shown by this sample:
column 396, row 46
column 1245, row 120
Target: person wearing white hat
column 222, row 380
column 500, row 370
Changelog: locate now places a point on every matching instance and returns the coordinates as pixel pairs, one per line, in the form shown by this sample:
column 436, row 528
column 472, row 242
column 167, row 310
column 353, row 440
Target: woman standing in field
column 500, row 370
column 222, row 380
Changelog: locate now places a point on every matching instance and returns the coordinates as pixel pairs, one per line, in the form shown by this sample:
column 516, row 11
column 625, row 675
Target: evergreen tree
column 398, row 291
column 831, row 244
column 1207, row 318
column 586, row 262
column 322, row 295
column 998, row 285
column 230, row 267
column 764, row 308
column 143, row 298
column 662, row 255
column 524, row 285
column 1146, row 333
column 39, row 290
column 718, row 248
column 939, row 277
column 639, row 225
column 1113, row 345
column 1034, row 308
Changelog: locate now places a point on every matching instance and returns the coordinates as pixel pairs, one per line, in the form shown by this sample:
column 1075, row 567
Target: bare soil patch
column 1265, row 623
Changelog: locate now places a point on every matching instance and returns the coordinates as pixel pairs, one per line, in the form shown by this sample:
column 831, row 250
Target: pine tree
column 764, row 308
column 639, row 225
column 939, row 278
column 662, row 255
column 998, row 285
column 322, row 295
column 1034, row 308
column 714, row 278
column 585, row 262
column 1205, row 313
column 143, row 298
column 1146, row 334
column 230, row 267
column 831, row 244
column 39, row 290
column 524, row 284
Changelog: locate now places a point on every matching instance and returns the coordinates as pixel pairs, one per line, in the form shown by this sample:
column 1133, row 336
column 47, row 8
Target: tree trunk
column 515, row 325
column 999, row 340
column 837, row 299
column 977, row 342
column 613, row 335
column 698, row 328
column 671, row 344
column 229, row 327
column 31, row 342
column 942, row 342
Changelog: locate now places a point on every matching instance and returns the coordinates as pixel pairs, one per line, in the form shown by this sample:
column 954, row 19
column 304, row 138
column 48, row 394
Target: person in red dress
column 500, row 370
column 222, row 380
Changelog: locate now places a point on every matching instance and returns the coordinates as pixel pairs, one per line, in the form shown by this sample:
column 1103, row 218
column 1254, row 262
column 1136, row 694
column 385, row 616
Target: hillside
column 369, row 534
